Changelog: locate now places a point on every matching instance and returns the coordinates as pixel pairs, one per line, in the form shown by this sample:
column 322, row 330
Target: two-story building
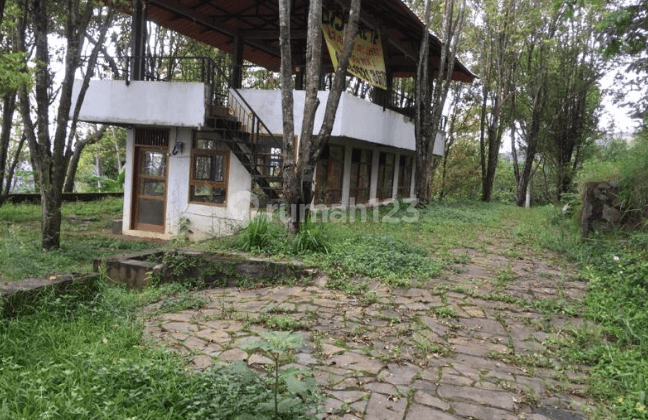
column 203, row 149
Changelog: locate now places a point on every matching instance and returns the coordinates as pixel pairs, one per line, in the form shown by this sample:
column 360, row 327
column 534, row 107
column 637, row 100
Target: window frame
column 193, row 183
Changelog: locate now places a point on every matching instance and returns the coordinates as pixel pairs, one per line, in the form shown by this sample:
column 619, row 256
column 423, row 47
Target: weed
column 445, row 311
column 299, row 385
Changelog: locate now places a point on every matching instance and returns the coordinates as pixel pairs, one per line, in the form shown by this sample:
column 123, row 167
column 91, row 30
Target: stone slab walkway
column 452, row 349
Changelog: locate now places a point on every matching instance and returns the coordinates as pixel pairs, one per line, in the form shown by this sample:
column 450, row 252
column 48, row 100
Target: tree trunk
column 430, row 98
column 300, row 161
column 12, row 170
column 51, row 154
column 51, row 199
column 68, row 187
column 8, row 109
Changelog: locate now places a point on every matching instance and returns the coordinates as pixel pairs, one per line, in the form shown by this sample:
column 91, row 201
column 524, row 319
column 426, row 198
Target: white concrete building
column 210, row 161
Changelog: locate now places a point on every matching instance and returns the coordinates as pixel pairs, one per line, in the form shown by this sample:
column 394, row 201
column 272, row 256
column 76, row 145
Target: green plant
column 260, row 235
column 311, row 238
column 297, row 384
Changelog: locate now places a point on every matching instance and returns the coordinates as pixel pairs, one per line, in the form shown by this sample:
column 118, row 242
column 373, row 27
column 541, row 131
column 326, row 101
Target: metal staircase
column 229, row 117
column 232, row 120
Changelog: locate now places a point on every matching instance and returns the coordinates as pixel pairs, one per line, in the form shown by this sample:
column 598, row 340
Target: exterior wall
column 180, row 104
column 355, row 118
column 205, row 220
column 350, row 144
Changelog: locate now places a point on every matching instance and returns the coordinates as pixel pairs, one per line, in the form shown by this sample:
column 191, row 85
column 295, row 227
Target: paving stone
column 474, row 311
column 381, row 407
column 401, row 374
column 479, row 412
column 213, row 335
column 184, row 327
column 179, row 317
column 483, row 325
column 422, row 412
column 456, row 380
column 306, row 359
column 257, row 359
column 427, row 386
column 326, row 378
column 382, row 388
column 430, row 400
column 233, row 355
column 329, row 349
column 357, row 362
column 202, row 361
column 180, row 336
column 193, row 343
column 348, row 397
column 480, row 396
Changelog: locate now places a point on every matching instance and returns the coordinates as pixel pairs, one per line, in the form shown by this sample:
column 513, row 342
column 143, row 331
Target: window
column 405, row 176
column 209, row 169
column 386, row 166
column 330, row 168
column 360, row 175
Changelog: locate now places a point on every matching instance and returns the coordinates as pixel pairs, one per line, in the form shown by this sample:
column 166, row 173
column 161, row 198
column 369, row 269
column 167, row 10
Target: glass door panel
column 150, row 189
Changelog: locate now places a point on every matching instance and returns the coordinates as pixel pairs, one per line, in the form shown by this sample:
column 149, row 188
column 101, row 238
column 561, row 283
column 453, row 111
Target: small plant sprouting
column 295, row 383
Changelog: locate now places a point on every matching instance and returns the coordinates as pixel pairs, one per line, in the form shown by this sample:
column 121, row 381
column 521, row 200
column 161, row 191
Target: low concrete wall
column 23, row 295
column 35, row 198
column 204, row 269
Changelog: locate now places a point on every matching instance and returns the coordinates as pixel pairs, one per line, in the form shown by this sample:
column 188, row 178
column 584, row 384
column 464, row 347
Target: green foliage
column 293, row 388
column 625, row 165
column 80, row 355
column 261, row 235
column 12, row 72
column 311, row 238
column 378, row 255
column 85, row 227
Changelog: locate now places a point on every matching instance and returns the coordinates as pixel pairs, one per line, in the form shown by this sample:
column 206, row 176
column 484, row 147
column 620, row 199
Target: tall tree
column 497, row 34
column 431, row 95
column 300, row 158
column 51, row 151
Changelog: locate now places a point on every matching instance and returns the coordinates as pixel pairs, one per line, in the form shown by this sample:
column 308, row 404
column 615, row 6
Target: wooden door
column 150, row 188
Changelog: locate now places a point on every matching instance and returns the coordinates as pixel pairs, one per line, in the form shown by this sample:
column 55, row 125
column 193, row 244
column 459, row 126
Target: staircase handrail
column 245, row 103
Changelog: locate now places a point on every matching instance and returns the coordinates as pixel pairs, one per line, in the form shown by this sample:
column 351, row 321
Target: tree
column 12, row 76
column 51, row 152
column 300, row 159
column 431, row 97
column 498, row 62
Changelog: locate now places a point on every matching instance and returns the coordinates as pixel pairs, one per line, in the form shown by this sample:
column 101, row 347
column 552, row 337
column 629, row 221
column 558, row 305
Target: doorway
column 150, row 179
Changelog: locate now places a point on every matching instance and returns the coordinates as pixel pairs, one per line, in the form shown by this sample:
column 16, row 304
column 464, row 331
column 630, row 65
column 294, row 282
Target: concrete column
column 413, row 183
column 128, row 179
column 346, row 178
column 373, row 189
column 396, row 170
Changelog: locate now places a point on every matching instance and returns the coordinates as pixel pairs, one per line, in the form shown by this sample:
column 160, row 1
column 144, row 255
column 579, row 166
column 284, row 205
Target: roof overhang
column 219, row 22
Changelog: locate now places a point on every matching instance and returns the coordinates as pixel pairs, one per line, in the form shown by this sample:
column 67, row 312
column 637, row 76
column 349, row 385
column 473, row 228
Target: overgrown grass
column 616, row 269
column 82, row 355
column 84, row 232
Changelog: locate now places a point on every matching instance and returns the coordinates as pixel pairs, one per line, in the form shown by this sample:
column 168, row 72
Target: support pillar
column 138, row 49
column 237, row 58
column 299, row 79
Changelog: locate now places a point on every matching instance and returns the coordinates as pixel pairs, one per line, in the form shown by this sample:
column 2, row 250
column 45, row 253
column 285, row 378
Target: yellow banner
column 367, row 61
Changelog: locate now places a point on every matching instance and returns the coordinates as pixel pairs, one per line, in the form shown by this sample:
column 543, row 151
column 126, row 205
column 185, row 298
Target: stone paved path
column 452, row 349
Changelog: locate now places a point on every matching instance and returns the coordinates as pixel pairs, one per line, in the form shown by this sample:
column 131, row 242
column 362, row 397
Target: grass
column 72, row 356
column 84, row 232
column 83, row 355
